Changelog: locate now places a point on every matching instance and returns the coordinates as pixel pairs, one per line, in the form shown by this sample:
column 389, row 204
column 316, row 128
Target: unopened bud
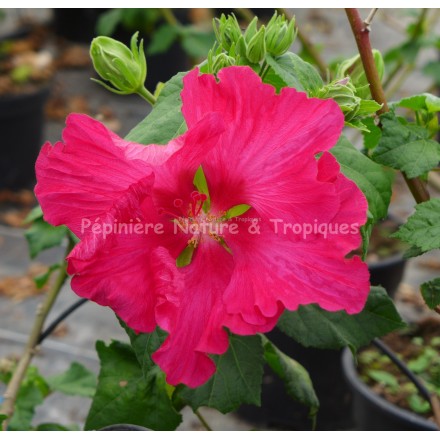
column 354, row 69
column 222, row 60
column 124, row 68
column 227, row 30
column 256, row 47
column 344, row 93
column 280, row 35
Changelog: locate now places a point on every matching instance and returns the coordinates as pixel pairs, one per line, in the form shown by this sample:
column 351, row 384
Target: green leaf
column 41, row 280
column 237, row 210
column 144, row 345
column 42, row 235
column 412, row 252
column 422, row 229
column 373, row 180
column 108, row 22
column 165, row 121
column 432, row 69
column 126, row 395
column 32, row 392
column 431, row 292
column 406, row 148
column 76, row 381
column 418, row 404
column 197, row 43
column 295, row 377
column 425, row 101
column 384, row 378
column 294, row 72
column 3, row 417
column 185, row 257
column 237, row 380
column 367, row 107
column 312, row 326
column 366, row 230
column 162, row 39
column 36, row 213
column 202, row 186
column 56, row 427
column 372, row 137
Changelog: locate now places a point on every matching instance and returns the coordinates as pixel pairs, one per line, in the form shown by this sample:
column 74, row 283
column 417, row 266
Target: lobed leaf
column 129, row 393
column 422, row 229
column 373, row 180
column 431, row 293
column 312, row 326
column 405, row 147
column 237, row 380
column 165, row 121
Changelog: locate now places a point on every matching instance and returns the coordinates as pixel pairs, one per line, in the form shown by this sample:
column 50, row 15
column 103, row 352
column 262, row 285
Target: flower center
column 197, row 220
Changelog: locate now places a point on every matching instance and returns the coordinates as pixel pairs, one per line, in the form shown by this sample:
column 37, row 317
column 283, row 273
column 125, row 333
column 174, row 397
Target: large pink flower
column 255, row 148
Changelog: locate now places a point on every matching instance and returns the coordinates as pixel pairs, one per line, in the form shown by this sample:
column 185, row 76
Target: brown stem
column 362, row 36
column 435, row 405
column 13, row 388
column 169, row 17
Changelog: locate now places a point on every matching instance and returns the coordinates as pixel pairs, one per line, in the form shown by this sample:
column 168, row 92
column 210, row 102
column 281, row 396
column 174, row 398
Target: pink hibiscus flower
column 255, row 148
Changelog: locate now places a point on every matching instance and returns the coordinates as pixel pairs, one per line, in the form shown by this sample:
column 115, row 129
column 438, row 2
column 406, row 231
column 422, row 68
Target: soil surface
column 409, row 344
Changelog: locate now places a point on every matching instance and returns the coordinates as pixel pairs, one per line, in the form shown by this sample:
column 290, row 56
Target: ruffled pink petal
column 352, row 212
column 84, row 177
column 117, row 263
column 195, row 326
column 285, row 268
column 266, row 156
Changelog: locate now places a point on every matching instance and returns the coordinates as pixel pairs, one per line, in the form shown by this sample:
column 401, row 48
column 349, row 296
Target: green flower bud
column 280, row 35
column 256, row 47
column 251, row 30
column 222, row 60
column 344, row 93
column 354, row 69
column 227, row 30
column 124, row 68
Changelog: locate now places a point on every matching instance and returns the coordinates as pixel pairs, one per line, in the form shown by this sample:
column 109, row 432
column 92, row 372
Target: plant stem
column 43, row 309
column 169, row 17
column 202, row 420
column 417, row 32
column 369, row 19
column 362, row 36
column 148, row 96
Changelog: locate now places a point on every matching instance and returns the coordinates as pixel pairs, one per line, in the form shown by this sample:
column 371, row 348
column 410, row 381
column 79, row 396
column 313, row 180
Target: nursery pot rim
column 355, row 382
column 387, row 261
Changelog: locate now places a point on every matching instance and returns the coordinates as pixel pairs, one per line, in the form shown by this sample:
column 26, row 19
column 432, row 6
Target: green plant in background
column 163, row 28
column 377, row 369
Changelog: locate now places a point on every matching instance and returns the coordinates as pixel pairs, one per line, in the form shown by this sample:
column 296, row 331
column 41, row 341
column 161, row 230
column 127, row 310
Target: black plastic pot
column 124, row 427
column 388, row 273
column 76, row 24
column 373, row 413
column 279, row 411
column 21, row 130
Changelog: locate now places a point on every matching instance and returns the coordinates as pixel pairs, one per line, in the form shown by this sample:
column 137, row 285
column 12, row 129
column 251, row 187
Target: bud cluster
column 250, row 47
column 344, row 93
